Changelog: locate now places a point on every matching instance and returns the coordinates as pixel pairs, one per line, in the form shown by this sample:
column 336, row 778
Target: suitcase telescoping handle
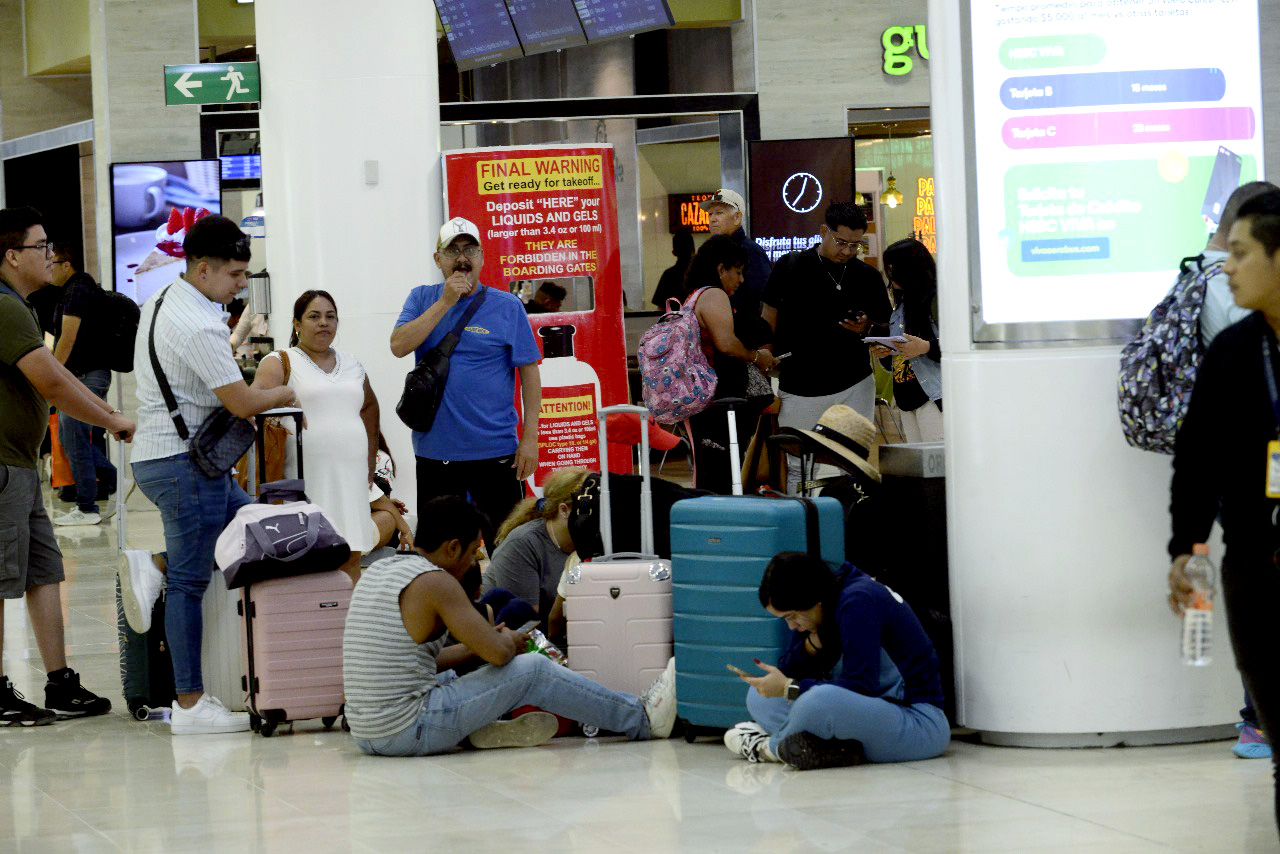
column 735, row 462
column 261, row 419
column 646, row 495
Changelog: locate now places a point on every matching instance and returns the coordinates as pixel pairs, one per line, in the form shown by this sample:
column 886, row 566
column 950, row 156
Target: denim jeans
column 459, row 705
column 85, row 457
column 194, row 510
column 889, row 732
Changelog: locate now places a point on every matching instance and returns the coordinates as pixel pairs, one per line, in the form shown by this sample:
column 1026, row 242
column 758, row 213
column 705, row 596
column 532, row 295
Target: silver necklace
column 839, row 284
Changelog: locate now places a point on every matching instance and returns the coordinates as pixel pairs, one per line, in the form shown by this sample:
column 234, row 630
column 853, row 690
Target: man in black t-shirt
column 79, row 347
column 821, row 302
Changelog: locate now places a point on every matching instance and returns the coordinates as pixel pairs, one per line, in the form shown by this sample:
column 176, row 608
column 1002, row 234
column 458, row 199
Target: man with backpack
column 79, row 321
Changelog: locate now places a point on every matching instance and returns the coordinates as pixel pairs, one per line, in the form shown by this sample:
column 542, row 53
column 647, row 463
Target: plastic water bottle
column 1197, row 619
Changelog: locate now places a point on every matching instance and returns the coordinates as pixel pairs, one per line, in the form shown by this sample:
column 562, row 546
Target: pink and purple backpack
column 677, row 380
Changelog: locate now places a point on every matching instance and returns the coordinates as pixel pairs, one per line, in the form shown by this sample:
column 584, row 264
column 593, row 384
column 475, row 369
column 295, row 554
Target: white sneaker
column 78, row 517
column 528, row 730
column 750, row 741
column 140, row 586
column 660, row 702
column 206, row 717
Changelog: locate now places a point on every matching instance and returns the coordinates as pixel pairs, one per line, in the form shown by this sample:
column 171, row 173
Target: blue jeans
column 459, row 705
column 888, row 732
column 85, row 457
column 194, row 510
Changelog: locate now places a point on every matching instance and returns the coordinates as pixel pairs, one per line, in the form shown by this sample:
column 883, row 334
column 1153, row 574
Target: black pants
column 1251, row 586
column 710, row 429
column 490, row 485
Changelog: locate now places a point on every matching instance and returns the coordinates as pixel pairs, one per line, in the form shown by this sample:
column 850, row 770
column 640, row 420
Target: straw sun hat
column 848, row 435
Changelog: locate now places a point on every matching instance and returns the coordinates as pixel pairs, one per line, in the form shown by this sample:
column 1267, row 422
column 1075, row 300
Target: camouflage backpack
column 1158, row 366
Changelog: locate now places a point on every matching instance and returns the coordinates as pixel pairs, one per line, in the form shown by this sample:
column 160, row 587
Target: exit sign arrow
column 212, row 83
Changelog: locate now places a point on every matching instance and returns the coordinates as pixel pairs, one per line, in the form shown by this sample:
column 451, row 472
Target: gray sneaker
column 528, row 730
column 660, row 702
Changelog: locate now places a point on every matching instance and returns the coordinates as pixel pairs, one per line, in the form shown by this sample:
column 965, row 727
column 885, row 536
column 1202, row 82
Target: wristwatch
column 793, row 692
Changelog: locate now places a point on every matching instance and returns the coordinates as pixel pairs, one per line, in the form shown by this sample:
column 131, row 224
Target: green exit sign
column 212, row 83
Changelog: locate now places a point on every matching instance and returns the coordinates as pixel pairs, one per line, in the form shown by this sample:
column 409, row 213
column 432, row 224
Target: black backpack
column 119, row 329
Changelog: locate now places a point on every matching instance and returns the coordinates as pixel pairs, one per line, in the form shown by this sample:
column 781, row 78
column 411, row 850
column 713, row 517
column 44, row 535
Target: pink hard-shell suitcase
column 291, row 648
column 618, row 607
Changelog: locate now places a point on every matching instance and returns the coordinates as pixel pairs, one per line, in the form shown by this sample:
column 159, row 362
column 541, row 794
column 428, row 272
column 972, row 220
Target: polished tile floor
column 112, row 784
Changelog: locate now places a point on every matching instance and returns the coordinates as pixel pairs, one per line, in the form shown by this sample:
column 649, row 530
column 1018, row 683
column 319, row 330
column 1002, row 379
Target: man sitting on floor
column 410, row 622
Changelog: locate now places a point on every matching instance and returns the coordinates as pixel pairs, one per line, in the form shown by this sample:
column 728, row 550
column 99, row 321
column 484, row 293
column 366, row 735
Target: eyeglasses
column 850, row 245
column 471, row 251
column 44, row 246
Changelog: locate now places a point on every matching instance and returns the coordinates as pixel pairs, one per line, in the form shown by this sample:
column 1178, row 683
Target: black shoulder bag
column 424, row 385
column 222, row 439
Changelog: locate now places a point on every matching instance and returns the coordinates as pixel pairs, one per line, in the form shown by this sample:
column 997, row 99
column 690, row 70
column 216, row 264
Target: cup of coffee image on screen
column 152, row 206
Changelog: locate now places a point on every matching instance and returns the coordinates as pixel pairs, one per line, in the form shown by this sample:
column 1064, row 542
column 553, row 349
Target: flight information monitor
column 607, row 19
column 545, row 25
column 479, row 32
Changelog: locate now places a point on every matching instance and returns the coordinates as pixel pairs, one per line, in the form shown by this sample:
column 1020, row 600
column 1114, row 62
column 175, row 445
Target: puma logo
column 275, row 529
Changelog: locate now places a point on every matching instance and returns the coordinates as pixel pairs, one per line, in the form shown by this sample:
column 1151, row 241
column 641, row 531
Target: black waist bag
column 424, row 385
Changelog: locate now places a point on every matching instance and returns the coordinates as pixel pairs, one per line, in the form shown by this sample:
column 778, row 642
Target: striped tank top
column 385, row 673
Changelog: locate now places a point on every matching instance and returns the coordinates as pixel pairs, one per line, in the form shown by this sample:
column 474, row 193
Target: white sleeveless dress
column 335, row 446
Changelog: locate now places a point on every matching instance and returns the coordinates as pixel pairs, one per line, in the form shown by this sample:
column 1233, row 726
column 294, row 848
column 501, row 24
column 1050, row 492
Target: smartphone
column 528, row 627
column 733, row 668
column 1222, row 182
column 892, row 343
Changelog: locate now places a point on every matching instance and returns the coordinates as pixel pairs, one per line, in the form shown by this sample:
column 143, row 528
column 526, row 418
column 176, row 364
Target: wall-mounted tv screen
column 545, row 25
column 152, row 206
column 241, row 154
column 480, row 32
column 608, row 19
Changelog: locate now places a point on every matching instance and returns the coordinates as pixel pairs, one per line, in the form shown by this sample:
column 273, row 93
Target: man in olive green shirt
column 30, row 379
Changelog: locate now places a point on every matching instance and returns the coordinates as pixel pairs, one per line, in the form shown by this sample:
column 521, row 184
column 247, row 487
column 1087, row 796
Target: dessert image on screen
column 169, row 239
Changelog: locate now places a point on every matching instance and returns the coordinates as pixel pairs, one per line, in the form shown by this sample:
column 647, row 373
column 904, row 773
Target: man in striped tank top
column 410, row 623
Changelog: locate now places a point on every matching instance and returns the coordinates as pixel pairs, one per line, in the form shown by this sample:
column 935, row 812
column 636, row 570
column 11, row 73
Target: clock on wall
column 802, row 192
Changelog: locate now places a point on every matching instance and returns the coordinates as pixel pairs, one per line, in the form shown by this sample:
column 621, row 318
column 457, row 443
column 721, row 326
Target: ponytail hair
column 560, row 487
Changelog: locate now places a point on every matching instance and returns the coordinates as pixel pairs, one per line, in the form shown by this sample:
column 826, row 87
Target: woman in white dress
column 340, row 419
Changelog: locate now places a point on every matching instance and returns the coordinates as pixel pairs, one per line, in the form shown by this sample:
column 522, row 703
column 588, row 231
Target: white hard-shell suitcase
column 618, row 606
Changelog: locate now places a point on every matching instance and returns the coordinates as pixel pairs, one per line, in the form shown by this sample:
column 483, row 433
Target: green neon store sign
column 898, row 42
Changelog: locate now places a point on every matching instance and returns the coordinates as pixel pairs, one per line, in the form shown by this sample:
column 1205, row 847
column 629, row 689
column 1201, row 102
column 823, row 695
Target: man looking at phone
column 411, row 623
column 821, row 302
column 471, row 448
column 30, row 379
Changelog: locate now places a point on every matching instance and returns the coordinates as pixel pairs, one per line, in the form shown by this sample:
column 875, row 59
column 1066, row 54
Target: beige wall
column 30, row 104
column 821, row 57
column 57, row 36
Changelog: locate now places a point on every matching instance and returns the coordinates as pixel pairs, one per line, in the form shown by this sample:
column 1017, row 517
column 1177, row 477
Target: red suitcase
column 618, row 607
column 291, row 648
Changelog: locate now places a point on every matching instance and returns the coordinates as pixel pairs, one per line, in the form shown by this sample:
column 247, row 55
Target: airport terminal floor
column 113, row 784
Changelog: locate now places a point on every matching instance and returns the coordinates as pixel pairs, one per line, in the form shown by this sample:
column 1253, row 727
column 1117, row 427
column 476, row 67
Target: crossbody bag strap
column 450, row 341
column 165, row 391
column 284, row 362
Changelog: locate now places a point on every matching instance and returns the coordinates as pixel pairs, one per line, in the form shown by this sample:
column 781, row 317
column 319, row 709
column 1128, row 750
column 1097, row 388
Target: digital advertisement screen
column 1107, row 137
column 685, row 213
column 544, row 25
column 793, row 182
column 479, row 32
column 607, row 19
column 152, row 206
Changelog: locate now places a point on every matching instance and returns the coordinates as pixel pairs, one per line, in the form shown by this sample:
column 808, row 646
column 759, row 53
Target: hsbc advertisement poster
column 548, row 220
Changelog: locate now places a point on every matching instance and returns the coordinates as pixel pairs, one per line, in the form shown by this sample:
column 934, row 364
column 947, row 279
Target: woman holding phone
column 914, row 355
column 858, row 682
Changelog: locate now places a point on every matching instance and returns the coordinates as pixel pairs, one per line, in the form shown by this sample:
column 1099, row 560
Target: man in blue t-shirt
column 471, row 448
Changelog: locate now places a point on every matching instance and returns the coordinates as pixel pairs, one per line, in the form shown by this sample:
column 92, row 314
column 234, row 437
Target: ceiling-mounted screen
column 545, row 25
column 479, row 32
column 608, row 19
column 1106, row 138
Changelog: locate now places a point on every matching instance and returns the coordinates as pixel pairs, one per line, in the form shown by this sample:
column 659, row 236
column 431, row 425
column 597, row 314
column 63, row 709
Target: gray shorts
column 29, row 552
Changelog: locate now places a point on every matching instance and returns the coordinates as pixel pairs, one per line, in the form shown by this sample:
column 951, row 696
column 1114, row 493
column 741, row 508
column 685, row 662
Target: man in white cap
column 725, row 211
column 472, row 448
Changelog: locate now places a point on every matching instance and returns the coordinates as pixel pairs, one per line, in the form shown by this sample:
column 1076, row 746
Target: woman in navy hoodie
column 859, row 681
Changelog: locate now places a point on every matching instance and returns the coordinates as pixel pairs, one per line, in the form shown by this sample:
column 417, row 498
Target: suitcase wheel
column 690, row 733
column 329, row 721
column 267, row 728
column 590, row 731
column 346, row 727
column 255, row 722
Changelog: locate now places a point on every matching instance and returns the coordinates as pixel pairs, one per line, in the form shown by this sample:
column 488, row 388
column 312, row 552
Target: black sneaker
column 16, row 711
column 804, row 751
column 63, row 694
